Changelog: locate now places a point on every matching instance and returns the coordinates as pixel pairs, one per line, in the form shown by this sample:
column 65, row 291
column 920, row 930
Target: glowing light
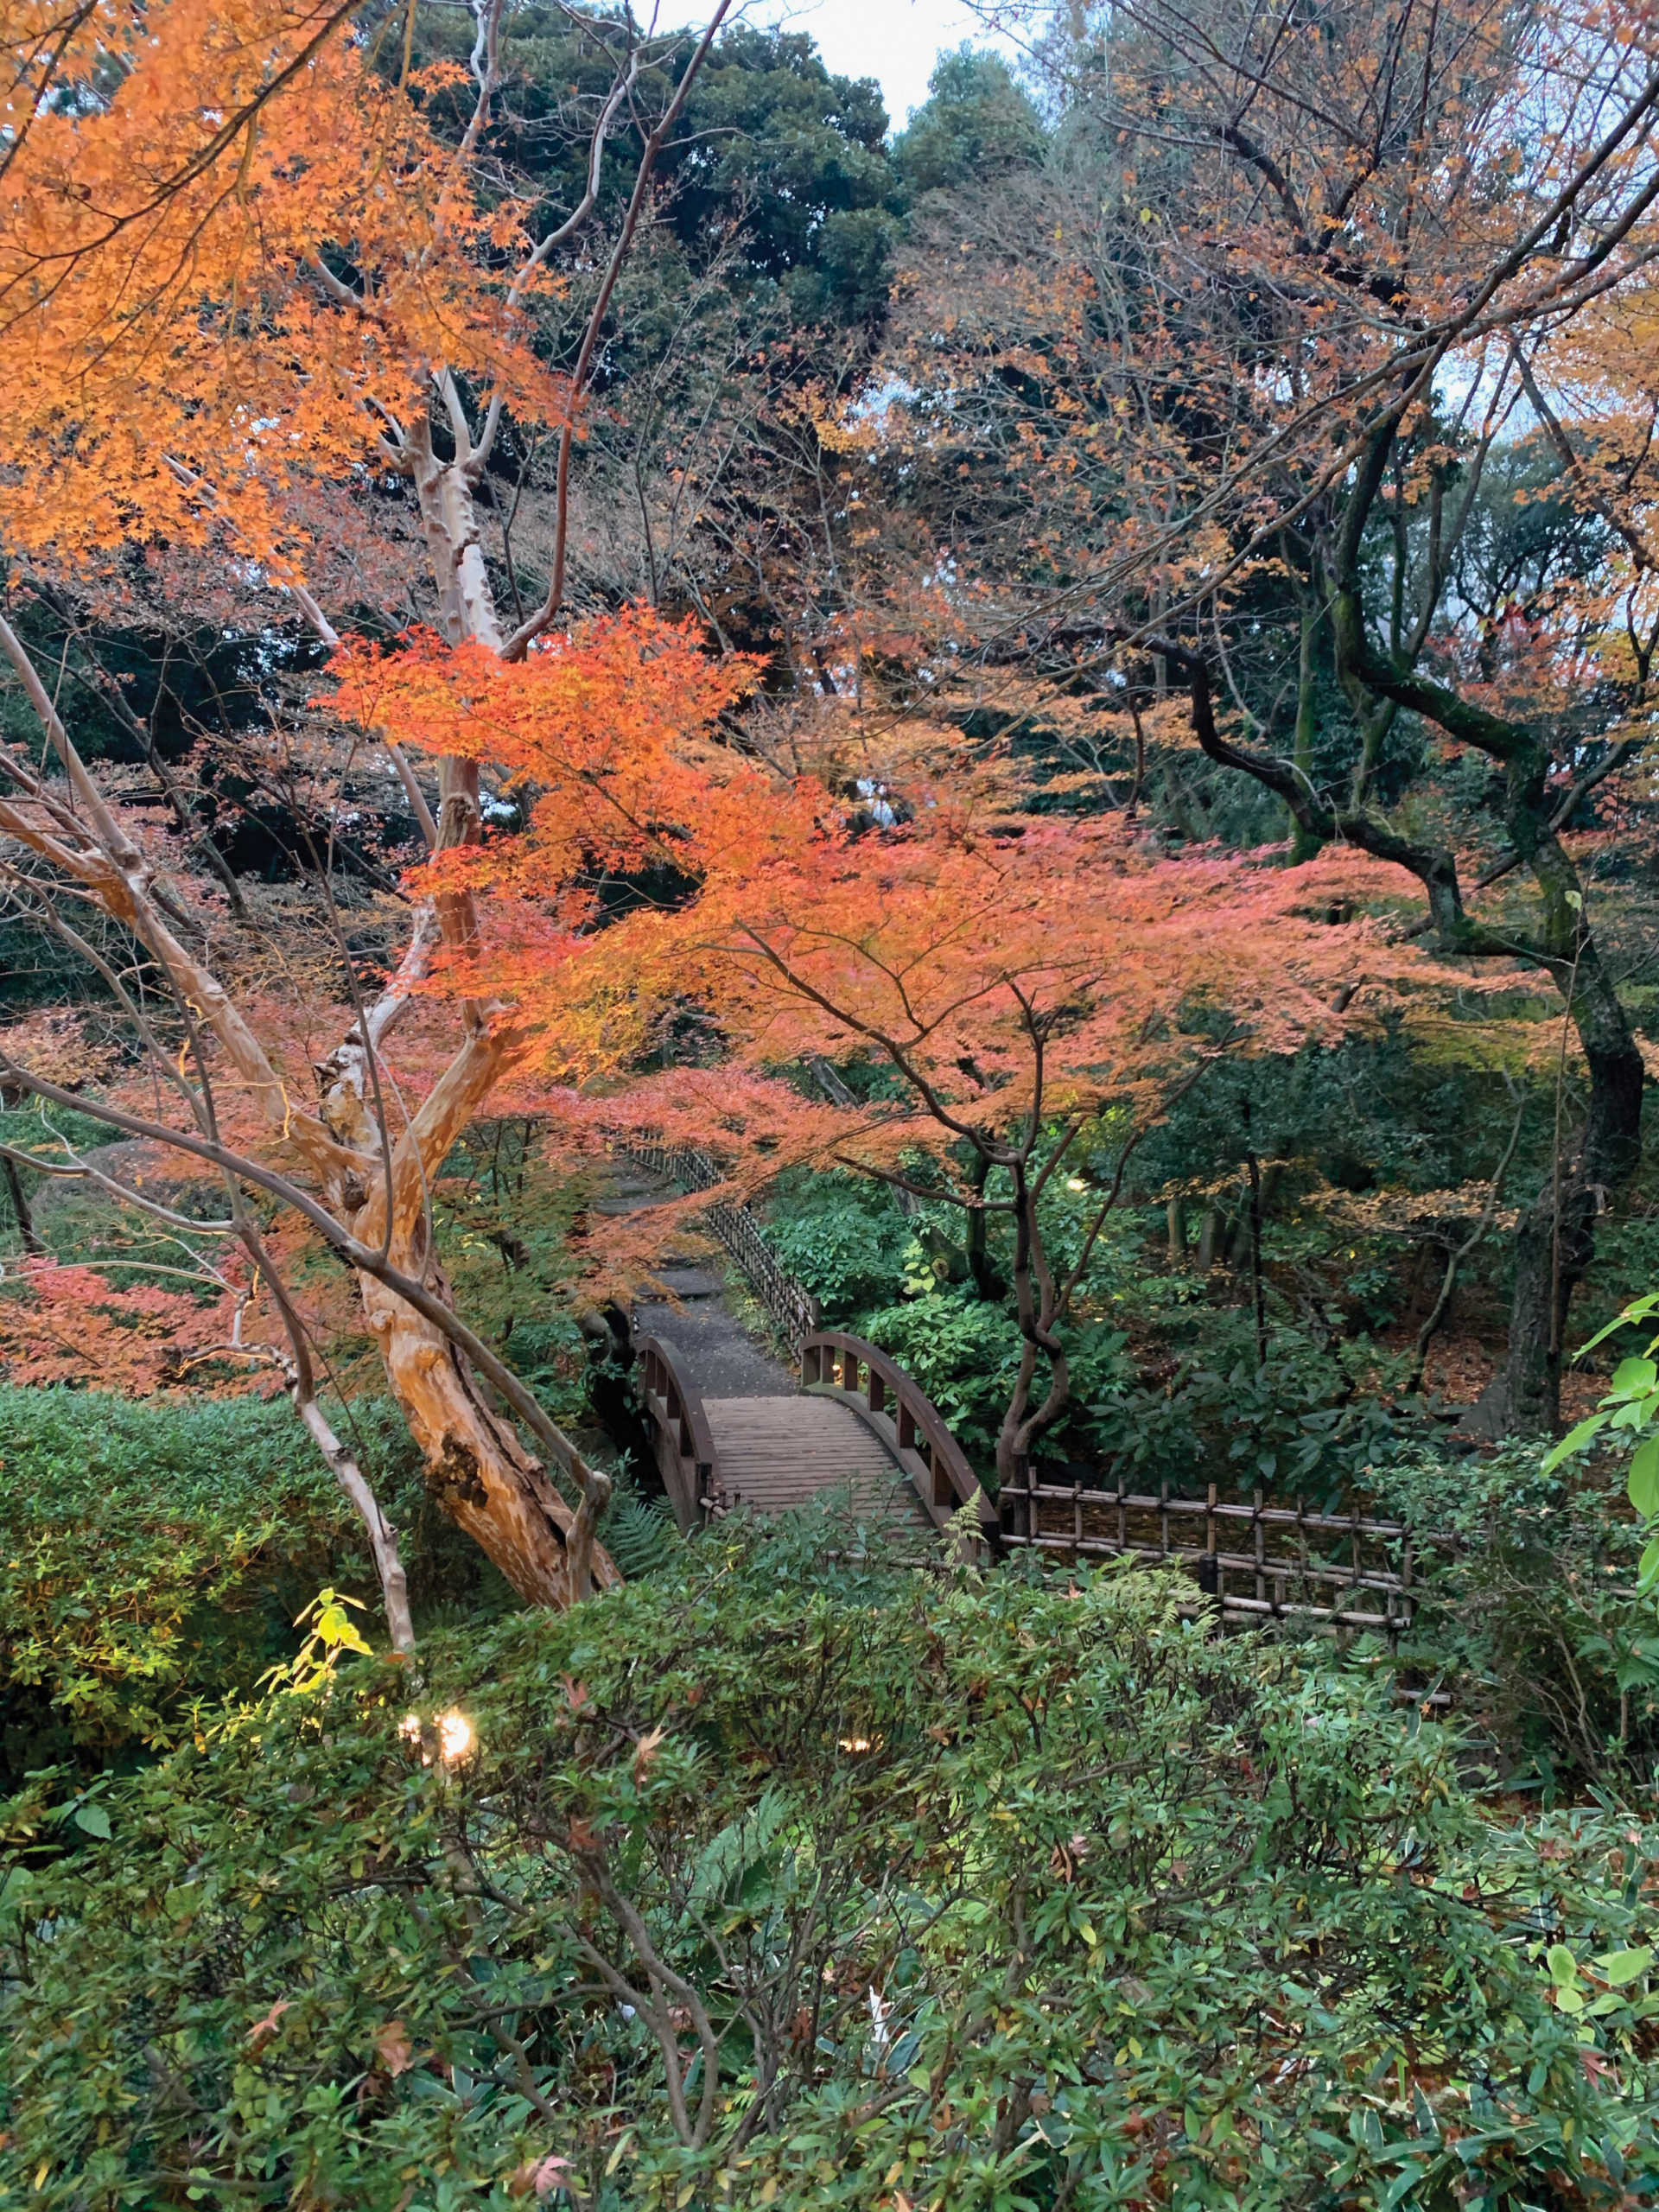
column 854, row 1743
column 454, row 1736
column 451, row 1733
column 1075, row 1183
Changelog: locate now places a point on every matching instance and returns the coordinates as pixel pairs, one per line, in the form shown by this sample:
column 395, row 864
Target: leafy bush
column 784, row 1882
column 154, row 1554
column 965, row 1355
column 843, row 1238
column 1301, row 1424
column 1531, row 1615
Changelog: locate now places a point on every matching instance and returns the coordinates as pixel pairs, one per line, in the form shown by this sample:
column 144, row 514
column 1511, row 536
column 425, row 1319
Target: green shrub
column 964, row 1353
column 1308, row 1422
column 957, row 1891
column 154, row 1554
column 1530, row 1615
column 844, row 1238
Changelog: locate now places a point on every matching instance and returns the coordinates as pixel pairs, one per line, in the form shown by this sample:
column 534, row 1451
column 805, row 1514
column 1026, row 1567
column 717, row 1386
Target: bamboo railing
column 791, row 1306
column 1346, row 1571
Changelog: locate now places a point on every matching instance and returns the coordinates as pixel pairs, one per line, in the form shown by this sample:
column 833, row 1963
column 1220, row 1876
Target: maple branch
column 114, row 840
column 43, row 64
column 1434, row 867
column 75, row 1169
column 116, row 871
column 935, row 1105
column 229, row 131
column 1640, row 551
column 524, row 636
column 342, row 1464
column 326, row 632
column 362, row 1257
column 1619, row 756
column 574, row 223
column 412, row 792
column 969, row 1202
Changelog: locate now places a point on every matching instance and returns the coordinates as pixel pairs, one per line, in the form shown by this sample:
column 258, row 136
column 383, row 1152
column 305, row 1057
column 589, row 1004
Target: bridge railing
column 791, row 1306
column 680, row 1439
column 912, row 1426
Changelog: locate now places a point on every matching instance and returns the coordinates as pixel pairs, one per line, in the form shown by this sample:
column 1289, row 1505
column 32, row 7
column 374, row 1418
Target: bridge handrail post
column 684, row 1445
column 831, row 1357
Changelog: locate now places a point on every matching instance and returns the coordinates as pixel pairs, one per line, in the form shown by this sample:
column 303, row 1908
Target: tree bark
column 1211, row 1231
column 1304, row 845
column 1555, row 1243
column 1036, row 1309
column 1175, row 1231
column 20, row 1206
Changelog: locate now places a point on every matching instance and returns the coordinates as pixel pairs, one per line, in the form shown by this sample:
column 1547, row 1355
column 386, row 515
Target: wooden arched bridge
column 858, row 1424
column 730, row 1425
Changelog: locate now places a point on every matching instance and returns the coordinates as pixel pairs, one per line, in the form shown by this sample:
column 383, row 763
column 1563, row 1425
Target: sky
column 893, row 41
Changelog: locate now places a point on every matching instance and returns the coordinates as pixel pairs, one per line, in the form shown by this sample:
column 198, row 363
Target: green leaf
column 1620, row 1966
column 1647, row 1567
column 1642, row 1484
column 1574, row 1440
column 1563, row 1967
column 1634, row 1378
column 1643, row 1309
column 94, row 1819
column 1401, row 2187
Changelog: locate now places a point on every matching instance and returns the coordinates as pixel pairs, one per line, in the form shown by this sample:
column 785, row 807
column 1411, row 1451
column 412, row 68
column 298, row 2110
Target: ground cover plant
column 776, row 1881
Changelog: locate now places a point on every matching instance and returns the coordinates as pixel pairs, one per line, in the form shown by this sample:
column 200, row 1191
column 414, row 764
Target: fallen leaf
column 397, row 2052
column 542, row 2174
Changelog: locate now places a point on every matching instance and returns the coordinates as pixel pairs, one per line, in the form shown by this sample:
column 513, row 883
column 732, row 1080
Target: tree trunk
column 20, row 1207
column 1035, row 1305
column 1175, row 1219
column 1211, row 1228
column 477, row 1470
column 1555, row 1242
column 979, row 1259
column 1303, row 843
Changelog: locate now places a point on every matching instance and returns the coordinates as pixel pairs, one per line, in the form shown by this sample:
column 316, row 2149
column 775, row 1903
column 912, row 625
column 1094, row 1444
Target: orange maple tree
column 237, row 264
column 1035, row 991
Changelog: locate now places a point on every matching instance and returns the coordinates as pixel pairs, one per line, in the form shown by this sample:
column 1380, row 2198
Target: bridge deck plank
column 777, row 1452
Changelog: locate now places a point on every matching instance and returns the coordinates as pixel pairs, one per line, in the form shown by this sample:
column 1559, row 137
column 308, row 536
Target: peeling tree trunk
column 477, row 1469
